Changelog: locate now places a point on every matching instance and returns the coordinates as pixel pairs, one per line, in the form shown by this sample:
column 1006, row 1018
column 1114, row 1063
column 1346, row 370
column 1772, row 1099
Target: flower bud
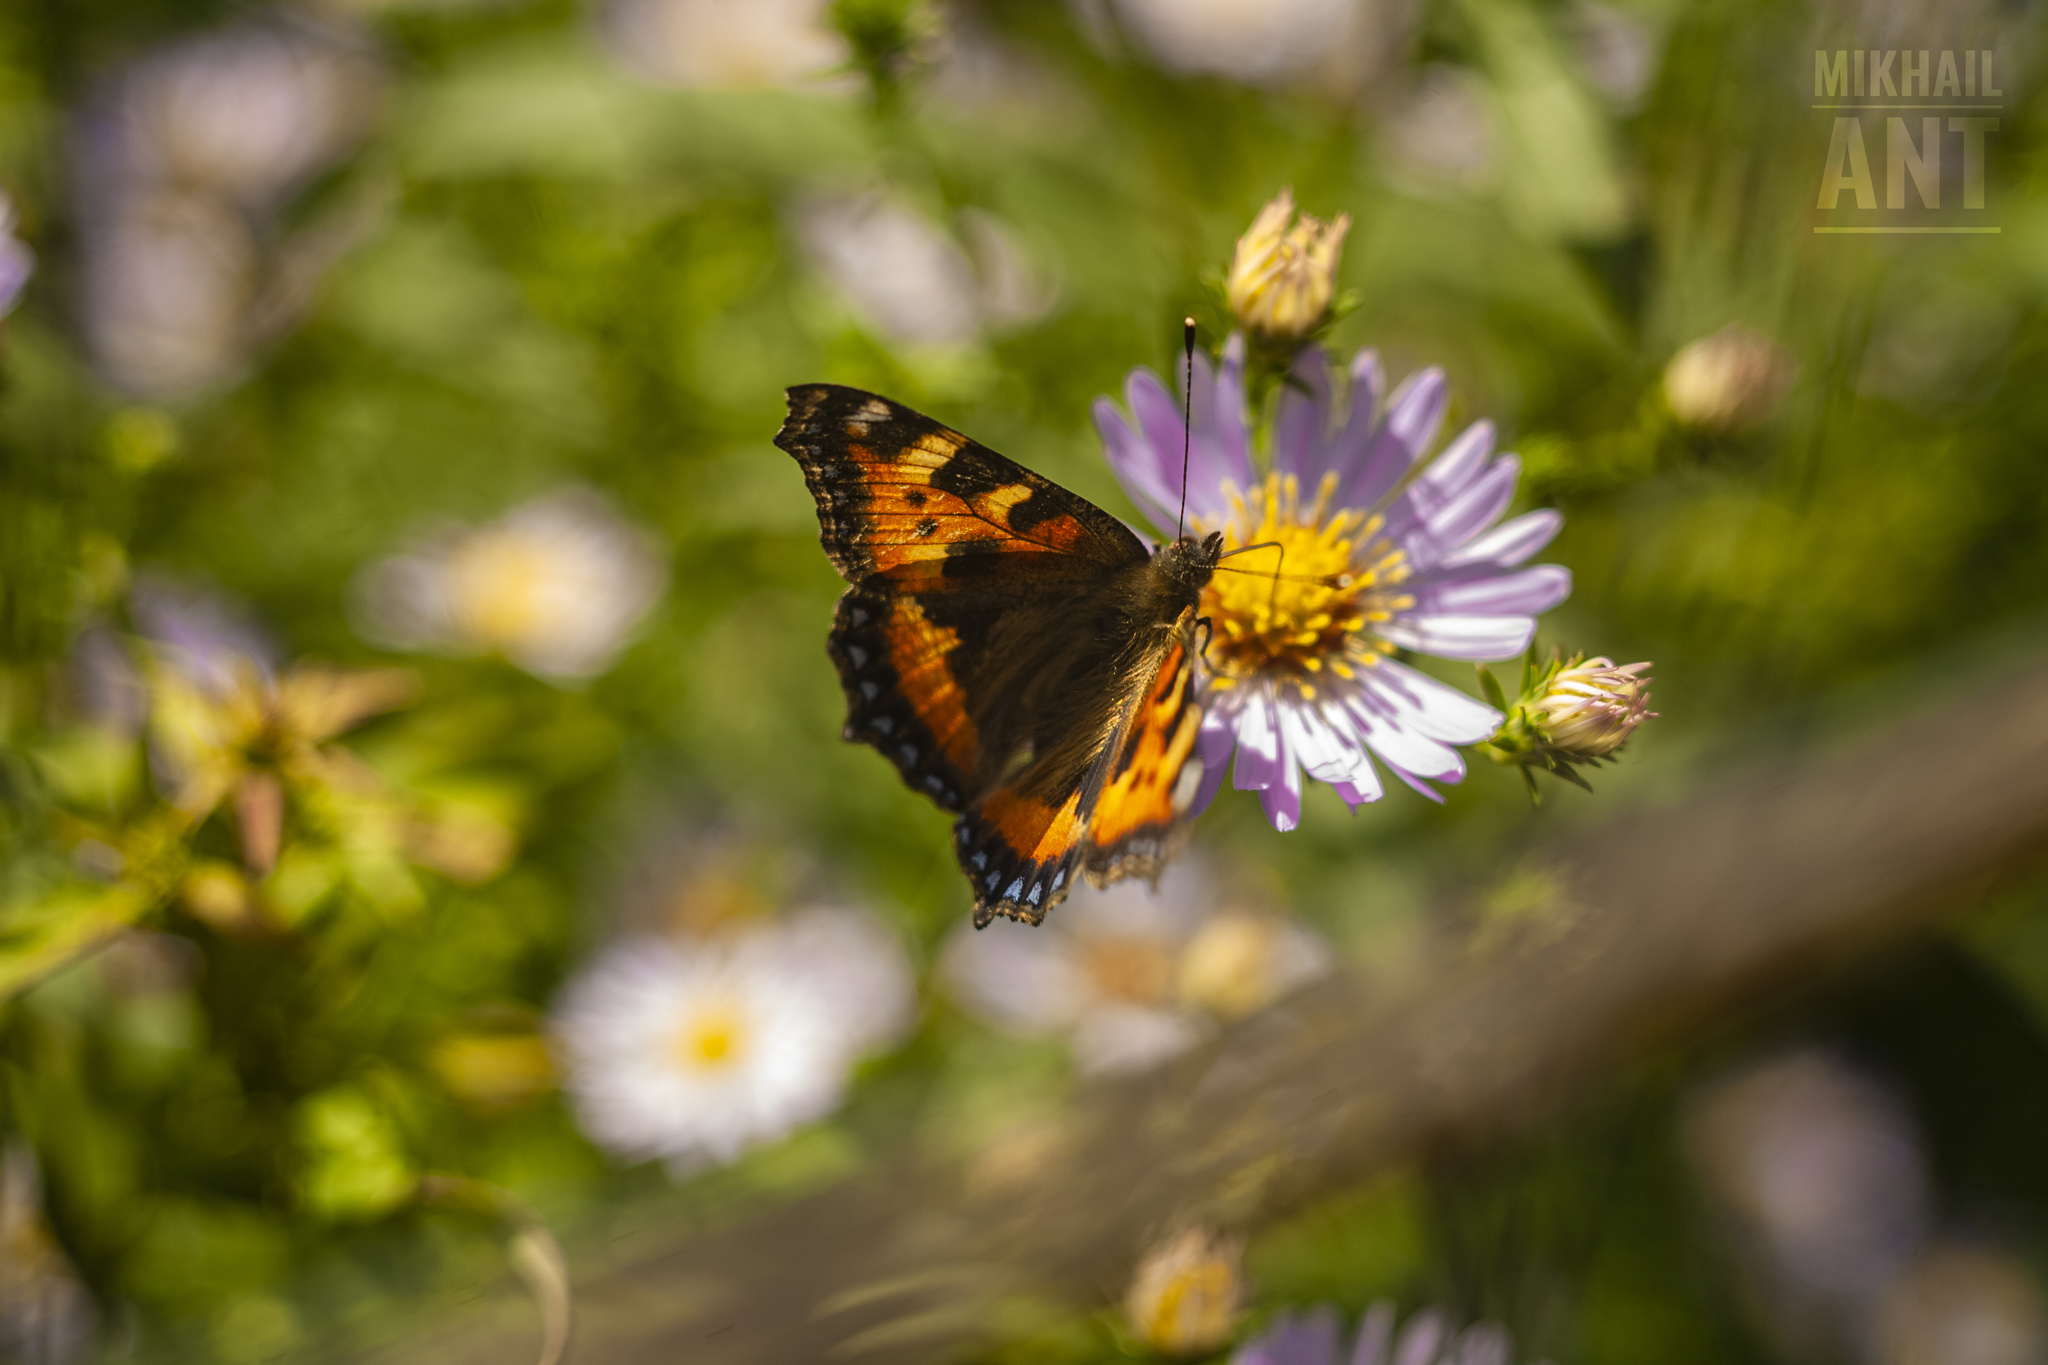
column 1284, row 273
column 1590, row 709
column 1728, row 382
column 1571, row 712
column 1184, row 1298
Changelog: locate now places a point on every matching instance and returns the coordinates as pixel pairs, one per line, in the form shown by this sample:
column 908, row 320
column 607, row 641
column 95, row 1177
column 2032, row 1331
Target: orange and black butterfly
column 1020, row 656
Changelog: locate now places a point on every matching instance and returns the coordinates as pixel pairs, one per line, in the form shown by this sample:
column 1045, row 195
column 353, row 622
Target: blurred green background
column 320, row 286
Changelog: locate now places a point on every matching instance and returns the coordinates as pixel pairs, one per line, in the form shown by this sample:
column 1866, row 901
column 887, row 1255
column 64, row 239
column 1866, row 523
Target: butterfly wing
column 1021, row 846
column 1140, row 820
column 902, row 495
column 968, row 571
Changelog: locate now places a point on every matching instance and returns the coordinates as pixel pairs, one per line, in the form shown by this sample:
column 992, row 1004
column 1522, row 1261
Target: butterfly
column 1022, row 657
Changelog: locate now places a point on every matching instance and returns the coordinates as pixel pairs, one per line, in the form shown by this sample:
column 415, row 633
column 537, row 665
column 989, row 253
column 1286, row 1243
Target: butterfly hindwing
column 1122, row 817
column 903, row 495
column 902, row 695
column 1139, row 818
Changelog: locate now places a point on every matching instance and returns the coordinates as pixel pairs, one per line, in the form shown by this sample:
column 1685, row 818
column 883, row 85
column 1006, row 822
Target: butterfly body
column 1019, row 655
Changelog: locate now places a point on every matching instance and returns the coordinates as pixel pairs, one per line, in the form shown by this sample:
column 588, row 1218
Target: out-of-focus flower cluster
column 229, row 729
column 1821, row 1176
column 1130, row 976
column 1316, row 1337
column 914, row 282
column 723, row 44
column 180, row 166
column 556, row 586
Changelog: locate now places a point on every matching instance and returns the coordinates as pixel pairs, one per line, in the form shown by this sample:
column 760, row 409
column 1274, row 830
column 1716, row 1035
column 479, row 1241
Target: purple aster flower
column 1380, row 547
column 1316, row 1338
column 17, row 262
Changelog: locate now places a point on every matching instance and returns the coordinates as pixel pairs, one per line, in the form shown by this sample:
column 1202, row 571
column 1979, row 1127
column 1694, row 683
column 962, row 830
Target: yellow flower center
column 710, row 1038
column 496, row 581
column 1308, row 603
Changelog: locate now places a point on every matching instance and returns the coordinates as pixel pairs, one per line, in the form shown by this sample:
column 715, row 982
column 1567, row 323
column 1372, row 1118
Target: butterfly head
column 1190, row 562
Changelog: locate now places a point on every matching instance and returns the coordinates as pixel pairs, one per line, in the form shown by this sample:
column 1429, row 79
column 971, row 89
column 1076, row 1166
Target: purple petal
column 1419, row 1339
column 1235, row 454
column 1484, row 1343
column 1463, row 460
column 1375, row 1330
column 1421, row 787
column 1477, row 638
column 1354, row 795
column 1348, row 451
column 1258, row 743
column 1134, row 461
column 1302, row 424
column 1403, row 747
column 1422, row 704
column 1481, row 592
column 1282, row 801
column 1308, row 1339
column 1413, row 417
column 1324, row 753
column 1511, row 542
column 1213, row 743
column 1476, row 506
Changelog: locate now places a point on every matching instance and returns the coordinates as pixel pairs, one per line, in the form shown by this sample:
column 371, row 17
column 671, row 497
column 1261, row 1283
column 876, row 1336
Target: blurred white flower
column 1131, row 977
column 856, row 968
column 177, row 168
column 1728, row 382
column 914, row 282
column 1964, row 1305
column 1820, row 1170
column 46, row 1314
column 1260, row 42
column 905, row 276
column 556, row 586
column 169, row 279
column 1443, row 131
column 250, row 113
column 724, row 43
column 1617, row 49
column 694, row 1051
column 17, row 262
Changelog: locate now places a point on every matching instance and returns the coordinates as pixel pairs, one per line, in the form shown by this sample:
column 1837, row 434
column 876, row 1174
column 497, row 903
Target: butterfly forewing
column 901, row 494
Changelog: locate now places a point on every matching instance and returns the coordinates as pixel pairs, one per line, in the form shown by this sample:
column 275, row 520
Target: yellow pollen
column 1286, row 612
column 708, row 1039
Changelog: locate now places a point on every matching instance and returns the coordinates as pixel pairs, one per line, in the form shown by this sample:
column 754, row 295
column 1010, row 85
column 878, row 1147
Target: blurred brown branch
column 1635, row 933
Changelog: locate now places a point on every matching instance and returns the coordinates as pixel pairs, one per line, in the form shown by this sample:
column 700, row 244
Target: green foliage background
column 575, row 276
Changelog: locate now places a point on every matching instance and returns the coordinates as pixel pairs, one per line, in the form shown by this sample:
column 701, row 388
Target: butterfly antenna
column 1187, row 427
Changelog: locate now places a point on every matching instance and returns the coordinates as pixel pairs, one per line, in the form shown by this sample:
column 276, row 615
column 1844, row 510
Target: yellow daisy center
column 1308, row 603
column 496, row 582
column 708, row 1039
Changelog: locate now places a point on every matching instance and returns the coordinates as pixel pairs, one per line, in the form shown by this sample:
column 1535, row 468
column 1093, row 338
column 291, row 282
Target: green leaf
column 38, row 938
column 1491, row 686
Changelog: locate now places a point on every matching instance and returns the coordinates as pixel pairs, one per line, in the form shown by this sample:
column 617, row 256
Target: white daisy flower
column 724, row 43
column 694, row 1052
column 556, row 586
